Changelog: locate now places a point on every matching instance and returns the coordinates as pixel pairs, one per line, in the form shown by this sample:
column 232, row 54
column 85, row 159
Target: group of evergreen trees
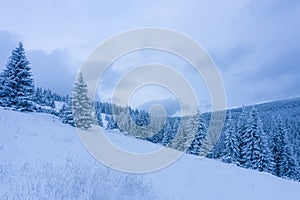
column 17, row 89
column 45, row 97
column 244, row 141
column 248, row 145
column 17, row 92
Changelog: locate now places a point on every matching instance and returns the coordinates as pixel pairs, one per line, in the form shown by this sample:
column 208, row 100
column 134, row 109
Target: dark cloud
column 8, row 42
column 52, row 70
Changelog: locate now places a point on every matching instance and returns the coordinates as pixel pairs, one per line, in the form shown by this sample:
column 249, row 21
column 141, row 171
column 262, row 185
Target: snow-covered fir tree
column 17, row 87
column 157, row 124
column 111, row 123
column 66, row 115
column 99, row 118
column 218, row 150
column 284, row 158
column 158, row 137
column 241, row 137
column 38, row 96
column 186, row 133
column 265, row 161
column 255, row 152
column 170, row 130
column 81, row 105
column 229, row 151
column 195, row 146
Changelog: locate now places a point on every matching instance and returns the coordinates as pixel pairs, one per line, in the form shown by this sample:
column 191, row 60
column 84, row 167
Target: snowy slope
column 42, row 158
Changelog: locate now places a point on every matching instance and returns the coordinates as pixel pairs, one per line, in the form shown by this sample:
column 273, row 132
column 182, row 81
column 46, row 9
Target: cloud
column 8, row 41
column 261, row 61
column 254, row 43
column 52, row 70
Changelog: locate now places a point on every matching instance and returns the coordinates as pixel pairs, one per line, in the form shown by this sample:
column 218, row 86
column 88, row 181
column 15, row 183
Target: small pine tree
column 66, row 115
column 99, row 118
column 17, row 87
column 81, row 105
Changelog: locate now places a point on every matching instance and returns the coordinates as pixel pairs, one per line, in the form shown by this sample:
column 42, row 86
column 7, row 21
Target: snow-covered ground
column 42, row 158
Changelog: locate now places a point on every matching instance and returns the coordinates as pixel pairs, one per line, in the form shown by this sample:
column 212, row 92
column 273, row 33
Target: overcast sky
column 255, row 44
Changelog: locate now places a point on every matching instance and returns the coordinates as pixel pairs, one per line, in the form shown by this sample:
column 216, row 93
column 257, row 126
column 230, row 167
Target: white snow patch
column 59, row 105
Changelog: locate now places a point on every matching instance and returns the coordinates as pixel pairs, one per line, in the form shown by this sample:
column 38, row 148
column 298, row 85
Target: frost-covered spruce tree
column 123, row 120
column 111, row 123
column 284, row 159
column 156, row 129
column 240, row 134
column 186, row 133
column 99, row 118
column 195, row 146
column 38, row 95
column 170, row 129
column 229, row 151
column 1, row 85
column 66, row 115
column 157, row 138
column 265, row 161
column 254, row 149
column 81, row 105
column 17, row 87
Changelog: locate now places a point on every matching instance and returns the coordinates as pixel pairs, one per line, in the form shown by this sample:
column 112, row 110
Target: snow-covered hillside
column 42, row 158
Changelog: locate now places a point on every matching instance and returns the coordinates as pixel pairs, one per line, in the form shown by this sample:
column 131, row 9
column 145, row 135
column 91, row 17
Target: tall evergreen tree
column 254, row 149
column 230, row 152
column 185, row 135
column 240, row 137
column 195, row 146
column 284, row 159
column 81, row 105
column 38, row 95
column 170, row 129
column 99, row 118
column 111, row 123
column 265, row 160
column 17, row 87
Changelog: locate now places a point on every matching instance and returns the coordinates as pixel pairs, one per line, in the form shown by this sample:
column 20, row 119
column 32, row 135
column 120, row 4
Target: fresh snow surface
column 59, row 105
column 42, row 158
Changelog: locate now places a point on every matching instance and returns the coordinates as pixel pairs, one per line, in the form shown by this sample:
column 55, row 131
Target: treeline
column 46, row 97
column 17, row 92
column 244, row 141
